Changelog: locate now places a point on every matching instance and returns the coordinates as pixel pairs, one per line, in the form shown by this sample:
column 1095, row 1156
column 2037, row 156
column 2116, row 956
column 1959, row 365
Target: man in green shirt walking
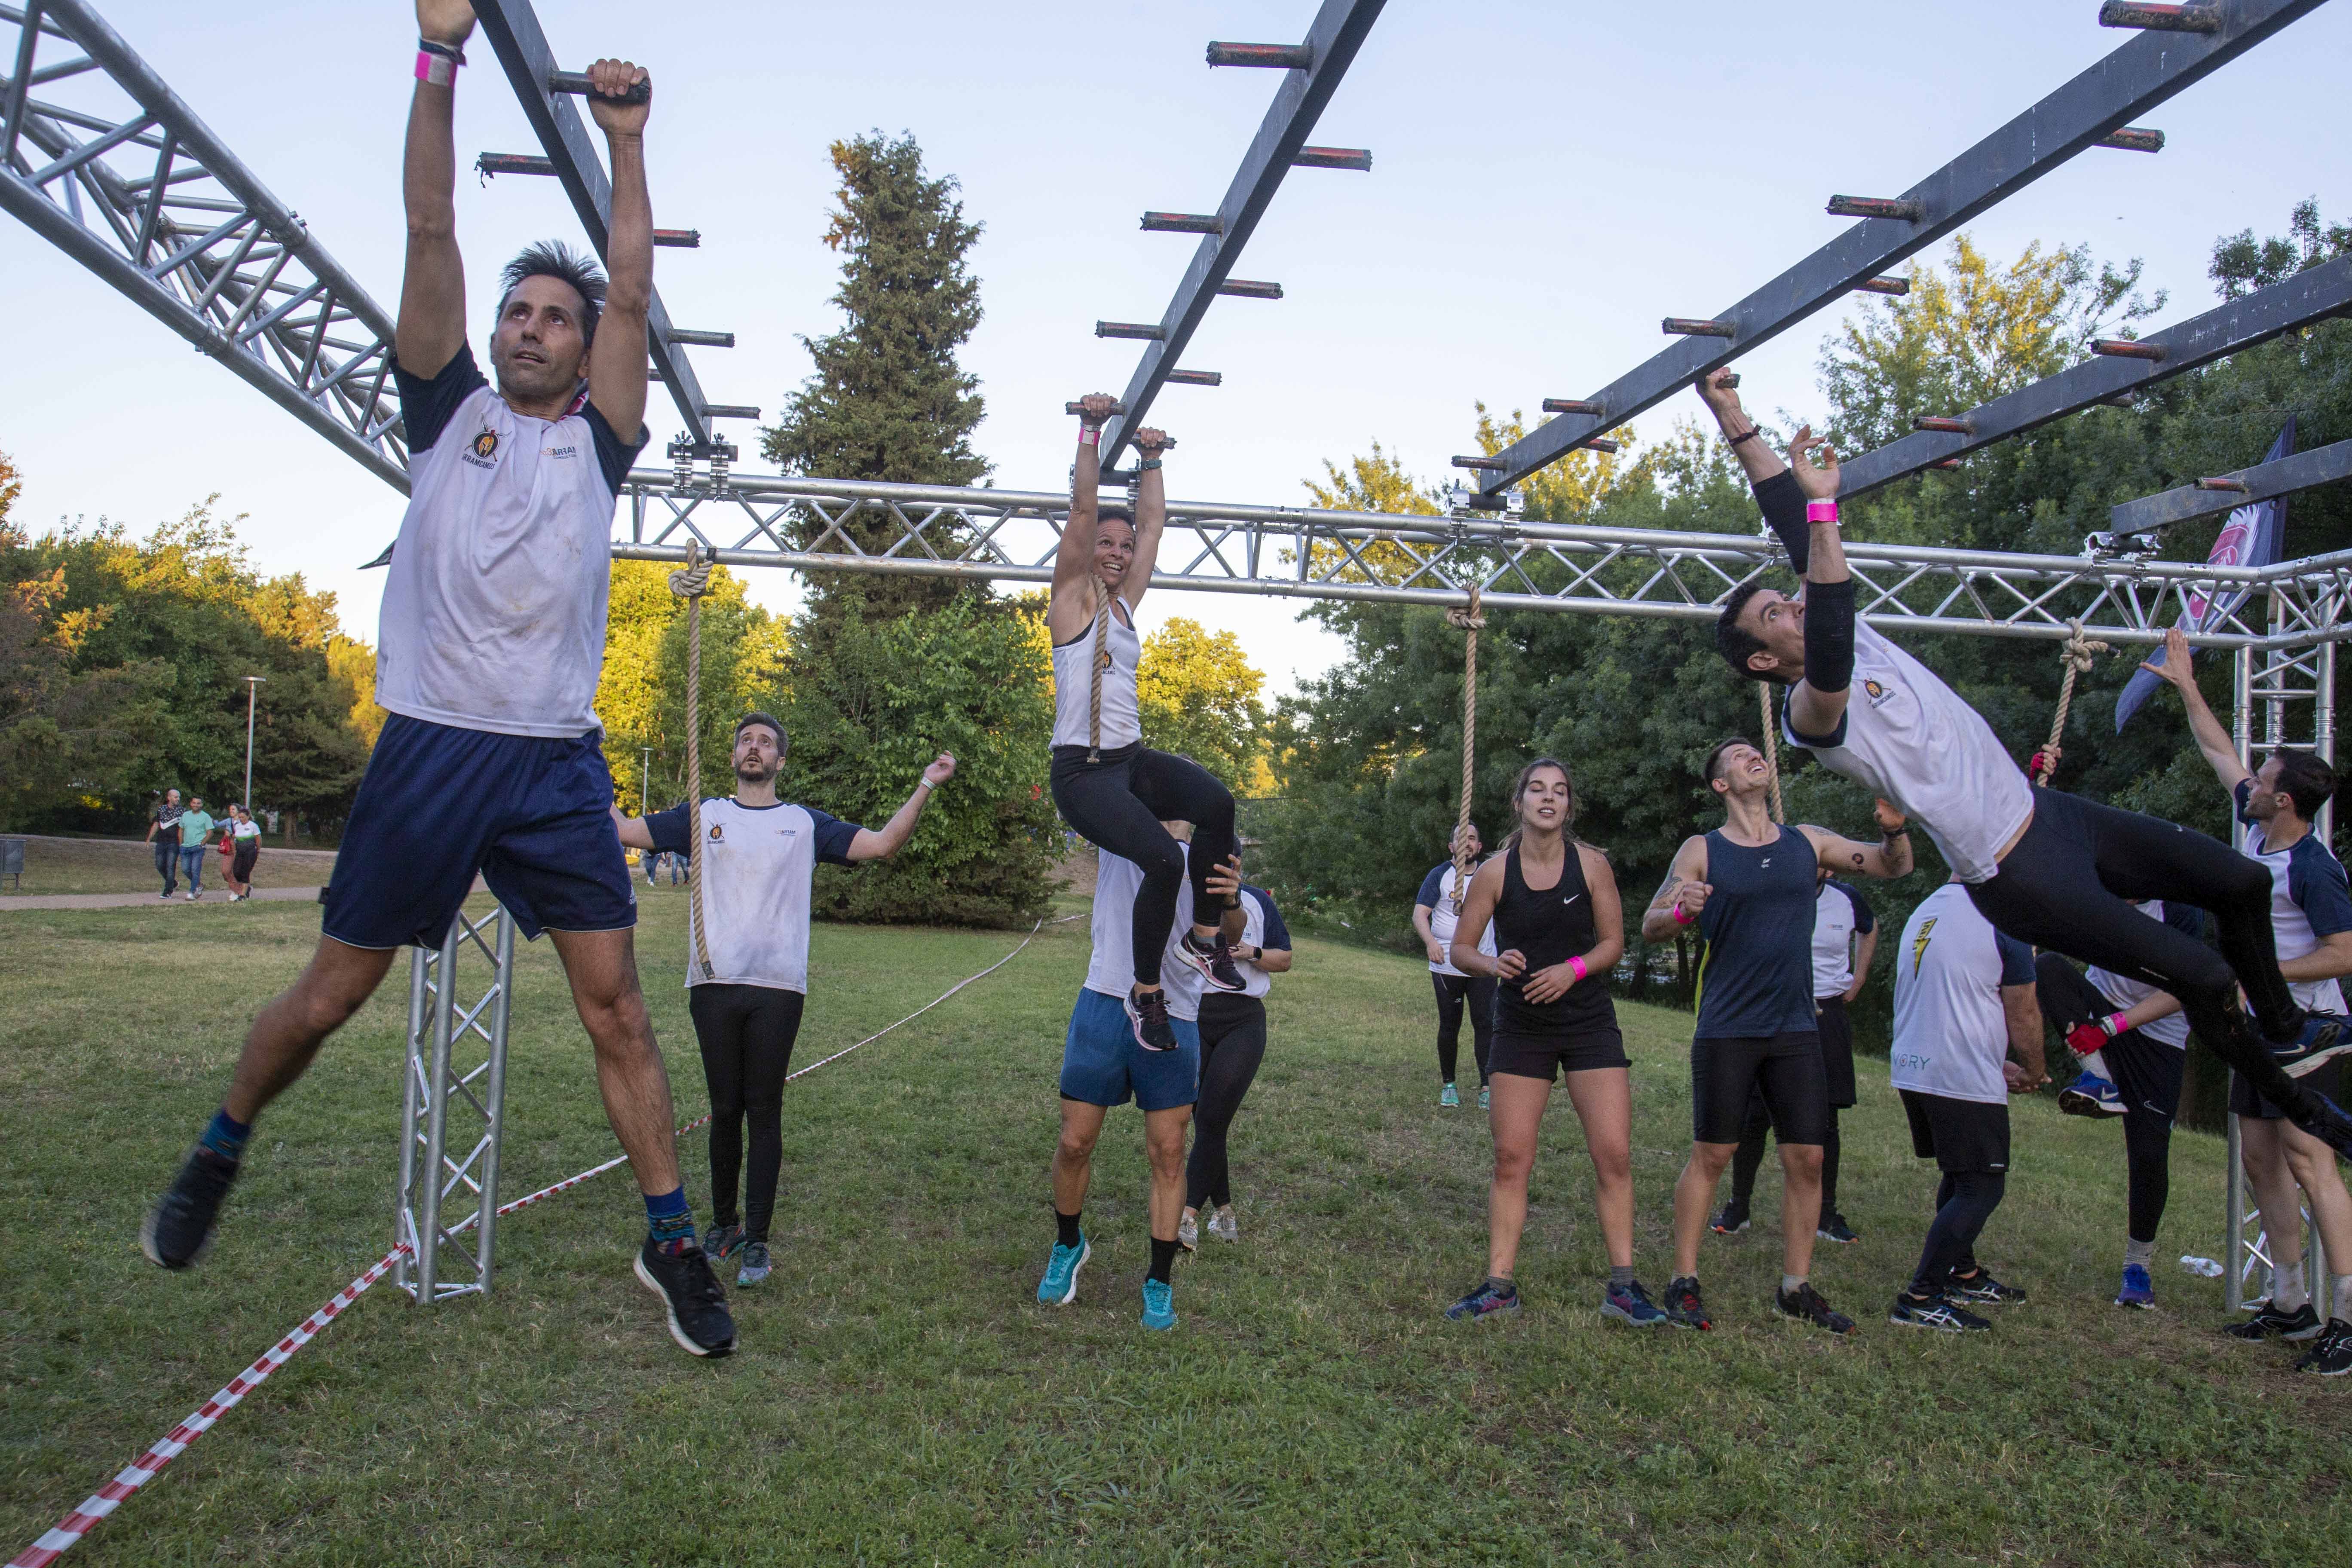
column 195, row 826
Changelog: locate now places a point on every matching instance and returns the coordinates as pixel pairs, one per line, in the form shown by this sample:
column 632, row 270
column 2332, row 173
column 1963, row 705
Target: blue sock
column 225, row 1137
column 669, row 1221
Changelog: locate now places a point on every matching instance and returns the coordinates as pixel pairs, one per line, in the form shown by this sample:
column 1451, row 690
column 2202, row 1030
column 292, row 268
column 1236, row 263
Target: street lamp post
column 253, row 684
column 645, row 786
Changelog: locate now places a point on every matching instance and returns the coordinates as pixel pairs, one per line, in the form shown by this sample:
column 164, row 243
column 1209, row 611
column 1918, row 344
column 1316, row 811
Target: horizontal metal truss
column 142, row 194
column 2105, row 99
column 1010, row 536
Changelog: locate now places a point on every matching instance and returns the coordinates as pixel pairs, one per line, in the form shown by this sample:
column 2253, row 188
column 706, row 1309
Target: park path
column 132, row 901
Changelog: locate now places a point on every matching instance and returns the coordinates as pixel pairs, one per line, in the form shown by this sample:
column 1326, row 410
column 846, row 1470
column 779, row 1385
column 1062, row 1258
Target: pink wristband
column 1089, row 435
column 2116, row 1024
column 1683, row 917
column 1820, row 512
column 437, row 64
column 1577, row 963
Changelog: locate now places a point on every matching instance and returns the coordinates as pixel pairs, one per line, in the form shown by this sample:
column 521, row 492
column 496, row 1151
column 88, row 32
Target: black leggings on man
column 1118, row 803
column 1454, row 993
column 1232, row 1043
column 2072, row 884
column 746, row 1033
column 2146, row 1073
column 1964, row 1202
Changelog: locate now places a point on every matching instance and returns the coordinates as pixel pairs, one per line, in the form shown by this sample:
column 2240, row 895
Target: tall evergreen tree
column 889, row 400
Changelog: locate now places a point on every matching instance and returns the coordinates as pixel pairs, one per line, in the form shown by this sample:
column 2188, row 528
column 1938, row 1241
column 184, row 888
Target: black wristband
column 1747, row 434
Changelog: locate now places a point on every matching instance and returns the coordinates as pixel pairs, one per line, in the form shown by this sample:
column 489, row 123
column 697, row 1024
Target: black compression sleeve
column 1829, row 635
column 1783, row 502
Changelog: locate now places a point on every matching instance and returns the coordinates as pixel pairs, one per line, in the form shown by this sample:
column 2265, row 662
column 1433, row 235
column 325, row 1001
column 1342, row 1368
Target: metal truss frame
column 443, row 1027
column 154, row 203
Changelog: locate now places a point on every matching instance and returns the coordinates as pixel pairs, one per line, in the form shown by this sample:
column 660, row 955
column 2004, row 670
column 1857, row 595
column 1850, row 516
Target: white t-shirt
column 1907, row 736
column 2126, row 992
column 1112, row 972
column 758, row 863
column 1839, row 915
column 1951, row 1035
column 1260, row 926
column 2307, row 903
column 246, row 830
column 493, row 612
column 1437, row 893
column 1122, row 722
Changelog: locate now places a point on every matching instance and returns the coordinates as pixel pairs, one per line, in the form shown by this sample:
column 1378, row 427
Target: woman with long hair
column 1553, row 901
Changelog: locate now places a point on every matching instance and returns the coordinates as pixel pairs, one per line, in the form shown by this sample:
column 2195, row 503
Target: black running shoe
column 2324, row 1036
column 1146, row 1016
column 1731, row 1221
column 698, row 1319
column 179, row 1228
column 1805, row 1304
column 721, row 1242
column 2332, row 1356
column 1836, row 1228
column 2271, row 1322
column 1684, row 1308
column 1981, row 1290
column 1484, row 1302
column 1934, row 1312
column 1215, row 962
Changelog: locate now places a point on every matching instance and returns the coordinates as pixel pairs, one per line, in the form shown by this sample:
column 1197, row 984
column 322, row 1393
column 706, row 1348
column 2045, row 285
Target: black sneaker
column 1215, row 962
column 1805, row 1304
column 1147, row 1015
column 1981, row 1290
column 1731, row 1221
column 2269, row 1323
column 1484, row 1302
column 179, row 1228
column 721, row 1242
column 1684, row 1308
column 698, row 1320
column 2324, row 1036
column 2332, row 1356
column 1934, row 1312
column 1836, row 1228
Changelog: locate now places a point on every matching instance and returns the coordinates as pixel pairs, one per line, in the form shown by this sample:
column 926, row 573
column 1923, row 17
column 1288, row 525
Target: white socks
column 2096, row 1062
column 2287, row 1292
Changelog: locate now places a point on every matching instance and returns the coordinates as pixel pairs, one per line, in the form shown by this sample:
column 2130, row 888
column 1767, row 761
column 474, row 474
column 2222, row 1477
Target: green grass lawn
column 899, row 1396
column 114, row 865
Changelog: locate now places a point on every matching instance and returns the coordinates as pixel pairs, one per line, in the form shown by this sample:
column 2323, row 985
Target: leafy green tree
column 1198, row 696
column 640, row 698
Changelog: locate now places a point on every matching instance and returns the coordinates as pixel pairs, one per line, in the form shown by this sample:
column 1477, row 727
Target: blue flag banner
column 2251, row 538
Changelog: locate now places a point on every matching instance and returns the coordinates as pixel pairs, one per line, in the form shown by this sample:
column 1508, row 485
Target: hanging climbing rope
column 1772, row 750
column 1468, row 620
column 690, row 585
column 2075, row 655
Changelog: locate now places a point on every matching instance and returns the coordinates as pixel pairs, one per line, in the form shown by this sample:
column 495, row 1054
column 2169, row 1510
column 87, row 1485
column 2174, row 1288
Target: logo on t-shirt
column 1919, row 944
column 482, row 451
column 718, row 832
column 1878, row 692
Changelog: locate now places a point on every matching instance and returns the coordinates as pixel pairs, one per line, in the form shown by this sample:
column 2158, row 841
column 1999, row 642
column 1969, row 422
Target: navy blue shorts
column 1102, row 1065
column 438, row 805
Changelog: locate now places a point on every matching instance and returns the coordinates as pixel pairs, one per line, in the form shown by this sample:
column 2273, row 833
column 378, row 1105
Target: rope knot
column 2075, row 659
column 1466, row 619
column 694, row 580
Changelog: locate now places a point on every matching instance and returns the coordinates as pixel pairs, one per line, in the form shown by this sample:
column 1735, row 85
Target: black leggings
column 747, row 1034
column 1964, row 1201
column 2147, row 1073
column 1750, row 1155
column 1452, row 991
column 1118, row 803
column 1233, row 1042
column 2071, row 881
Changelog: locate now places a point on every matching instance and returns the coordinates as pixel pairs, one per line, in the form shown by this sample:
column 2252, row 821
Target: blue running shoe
column 756, row 1266
column 1159, row 1305
column 1630, row 1305
column 1484, row 1302
column 2138, row 1289
column 2323, row 1037
column 1061, row 1281
column 2091, row 1095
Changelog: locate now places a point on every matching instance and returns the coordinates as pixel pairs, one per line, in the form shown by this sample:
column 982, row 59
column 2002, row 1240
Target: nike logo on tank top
column 1756, row 931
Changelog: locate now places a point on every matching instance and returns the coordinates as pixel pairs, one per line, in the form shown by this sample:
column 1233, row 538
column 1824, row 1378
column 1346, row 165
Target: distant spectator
column 653, row 867
column 194, row 828
column 162, row 832
column 244, row 840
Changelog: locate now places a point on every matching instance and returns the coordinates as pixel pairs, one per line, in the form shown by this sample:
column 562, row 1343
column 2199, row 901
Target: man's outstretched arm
column 1819, row 701
column 432, row 325
column 617, row 360
column 2212, row 738
column 1776, row 492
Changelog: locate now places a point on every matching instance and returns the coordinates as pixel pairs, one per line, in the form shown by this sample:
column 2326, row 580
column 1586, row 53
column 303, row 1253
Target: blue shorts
column 1102, row 1065
column 438, row 805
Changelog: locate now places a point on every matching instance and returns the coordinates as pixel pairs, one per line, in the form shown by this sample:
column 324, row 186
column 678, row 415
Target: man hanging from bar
column 493, row 637
column 2044, row 866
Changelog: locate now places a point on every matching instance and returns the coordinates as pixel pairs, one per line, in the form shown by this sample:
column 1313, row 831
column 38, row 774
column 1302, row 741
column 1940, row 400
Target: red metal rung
column 1884, row 285
column 2161, row 19
column 1275, row 56
column 514, row 163
column 1196, row 377
column 1244, row 289
column 1183, row 222
column 1943, row 425
column 684, row 238
column 2126, row 348
column 2132, row 138
column 1946, row 463
column 1332, row 158
column 1484, row 465
column 1150, row 332
column 2238, row 485
column 1601, row 444
column 1571, row 405
column 1902, row 207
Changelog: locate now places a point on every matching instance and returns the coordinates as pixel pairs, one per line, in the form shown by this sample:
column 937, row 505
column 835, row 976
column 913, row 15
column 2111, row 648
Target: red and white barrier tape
column 69, row 1529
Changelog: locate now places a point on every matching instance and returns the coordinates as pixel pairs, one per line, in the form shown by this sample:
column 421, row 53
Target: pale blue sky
column 1549, row 180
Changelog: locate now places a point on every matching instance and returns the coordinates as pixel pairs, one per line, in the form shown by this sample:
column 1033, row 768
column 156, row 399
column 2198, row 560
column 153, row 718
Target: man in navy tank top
column 1750, row 887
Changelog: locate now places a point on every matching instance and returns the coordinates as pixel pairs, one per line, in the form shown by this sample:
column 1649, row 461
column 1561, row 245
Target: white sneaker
column 190, row 897
column 1188, row 1233
column 1221, row 1225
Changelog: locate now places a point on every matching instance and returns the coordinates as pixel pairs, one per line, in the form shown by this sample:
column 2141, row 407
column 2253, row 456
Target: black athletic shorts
column 1837, row 1050
column 1963, row 1136
column 1787, row 1068
column 1547, row 1056
column 2244, row 1102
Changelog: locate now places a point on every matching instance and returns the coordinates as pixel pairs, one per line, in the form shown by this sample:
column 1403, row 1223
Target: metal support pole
column 443, row 1028
column 2241, row 1256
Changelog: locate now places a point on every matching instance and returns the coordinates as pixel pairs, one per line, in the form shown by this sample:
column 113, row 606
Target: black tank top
column 1755, row 966
column 1549, row 926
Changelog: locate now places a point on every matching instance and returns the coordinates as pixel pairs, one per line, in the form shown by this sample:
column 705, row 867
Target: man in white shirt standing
column 759, row 858
column 1964, row 1006
column 492, row 640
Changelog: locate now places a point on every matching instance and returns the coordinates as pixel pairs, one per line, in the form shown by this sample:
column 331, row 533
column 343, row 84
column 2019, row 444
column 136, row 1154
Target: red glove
column 2084, row 1038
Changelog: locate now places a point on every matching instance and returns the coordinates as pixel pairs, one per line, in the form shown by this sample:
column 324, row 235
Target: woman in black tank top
column 1562, row 929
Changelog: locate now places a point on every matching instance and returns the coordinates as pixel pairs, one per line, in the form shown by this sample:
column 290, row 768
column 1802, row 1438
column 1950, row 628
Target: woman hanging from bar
column 1109, row 787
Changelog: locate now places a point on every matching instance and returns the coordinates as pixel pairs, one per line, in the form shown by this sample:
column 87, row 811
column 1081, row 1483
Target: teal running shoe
column 756, row 1265
column 1449, row 1096
column 1486, row 1098
column 1060, row 1285
column 1159, row 1303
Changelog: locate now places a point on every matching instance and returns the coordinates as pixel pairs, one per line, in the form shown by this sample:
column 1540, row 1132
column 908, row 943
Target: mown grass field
column 900, row 1397
column 114, row 865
